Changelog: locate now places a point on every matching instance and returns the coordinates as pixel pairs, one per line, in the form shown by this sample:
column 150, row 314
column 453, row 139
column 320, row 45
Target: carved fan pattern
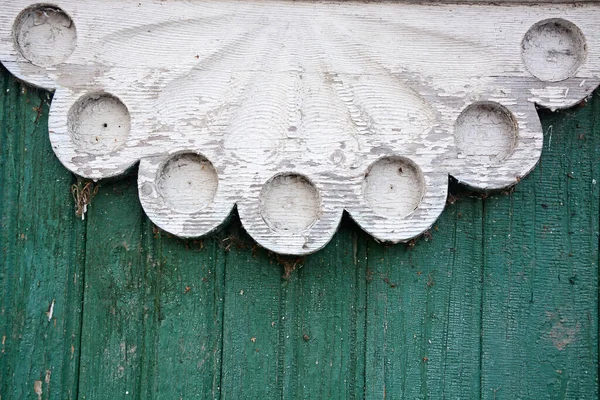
column 297, row 111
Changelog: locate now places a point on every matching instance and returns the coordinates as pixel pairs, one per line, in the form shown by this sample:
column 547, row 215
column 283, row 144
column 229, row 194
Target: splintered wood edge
column 297, row 111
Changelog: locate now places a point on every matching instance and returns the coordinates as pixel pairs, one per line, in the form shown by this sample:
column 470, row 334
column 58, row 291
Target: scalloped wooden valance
column 297, row 111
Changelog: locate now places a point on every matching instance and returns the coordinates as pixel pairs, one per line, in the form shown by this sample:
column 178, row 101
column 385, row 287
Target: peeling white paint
column 50, row 312
column 296, row 111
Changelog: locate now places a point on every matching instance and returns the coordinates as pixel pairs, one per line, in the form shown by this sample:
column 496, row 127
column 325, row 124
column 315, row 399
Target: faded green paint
column 500, row 302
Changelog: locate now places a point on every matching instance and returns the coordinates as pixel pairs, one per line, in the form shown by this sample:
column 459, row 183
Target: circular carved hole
column 45, row 35
column 394, row 187
column 99, row 124
column 188, row 183
column 553, row 50
column 290, row 203
column 486, row 132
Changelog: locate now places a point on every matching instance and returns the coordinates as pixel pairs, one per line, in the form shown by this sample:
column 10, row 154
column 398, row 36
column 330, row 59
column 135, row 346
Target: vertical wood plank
column 153, row 305
column 251, row 319
column 300, row 336
column 183, row 341
column 540, row 309
column 325, row 314
column 41, row 257
column 424, row 306
column 115, row 287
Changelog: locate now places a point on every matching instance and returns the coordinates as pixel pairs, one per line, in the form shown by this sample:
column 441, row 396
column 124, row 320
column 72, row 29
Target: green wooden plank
column 183, row 341
column 540, row 308
column 325, row 315
column 115, row 287
column 300, row 336
column 41, row 257
column 153, row 305
column 424, row 310
column 251, row 319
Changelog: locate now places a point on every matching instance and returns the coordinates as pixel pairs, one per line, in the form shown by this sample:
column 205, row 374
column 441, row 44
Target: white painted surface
column 296, row 111
column 486, row 132
column 188, row 182
column 290, row 203
column 45, row 35
column 99, row 124
column 554, row 49
column 393, row 187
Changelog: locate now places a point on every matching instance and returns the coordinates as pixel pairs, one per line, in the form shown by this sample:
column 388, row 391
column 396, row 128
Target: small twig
column 290, row 264
column 83, row 193
column 495, row 390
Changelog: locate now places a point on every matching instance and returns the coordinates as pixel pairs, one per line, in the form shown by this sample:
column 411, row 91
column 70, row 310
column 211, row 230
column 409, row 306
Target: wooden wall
column 499, row 301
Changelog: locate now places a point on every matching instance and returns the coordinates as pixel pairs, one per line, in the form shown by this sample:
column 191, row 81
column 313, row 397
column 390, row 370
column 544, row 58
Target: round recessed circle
column 290, row 203
column 188, row 183
column 486, row 132
column 394, row 187
column 99, row 124
column 553, row 50
column 45, row 35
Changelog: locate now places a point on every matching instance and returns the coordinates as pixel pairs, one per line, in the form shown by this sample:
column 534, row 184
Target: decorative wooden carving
column 296, row 111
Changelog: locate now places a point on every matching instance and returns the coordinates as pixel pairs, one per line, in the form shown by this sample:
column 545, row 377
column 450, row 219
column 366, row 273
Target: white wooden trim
column 296, row 111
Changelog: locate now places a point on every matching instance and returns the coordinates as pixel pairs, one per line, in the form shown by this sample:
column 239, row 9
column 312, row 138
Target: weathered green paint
column 424, row 311
column 540, row 284
column 41, row 253
column 500, row 302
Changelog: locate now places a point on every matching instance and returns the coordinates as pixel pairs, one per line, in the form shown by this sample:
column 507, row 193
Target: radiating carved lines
column 197, row 98
column 296, row 111
column 396, row 113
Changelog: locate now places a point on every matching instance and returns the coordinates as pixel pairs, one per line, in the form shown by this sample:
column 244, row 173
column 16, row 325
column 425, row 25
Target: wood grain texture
column 41, row 254
column 540, row 283
column 155, row 307
column 424, row 311
column 183, row 338
column 298, row 337
column 115, row 292
column 198, row 343
column 367, row 106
